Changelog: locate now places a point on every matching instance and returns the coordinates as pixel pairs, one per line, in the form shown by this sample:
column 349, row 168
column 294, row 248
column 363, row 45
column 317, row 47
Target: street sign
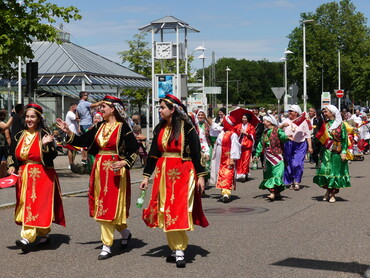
column 278, row 92
column 212, row 90
column 339, row 93
column 325, row 99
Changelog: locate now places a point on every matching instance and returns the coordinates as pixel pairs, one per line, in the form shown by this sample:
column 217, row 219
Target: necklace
column 106, row 134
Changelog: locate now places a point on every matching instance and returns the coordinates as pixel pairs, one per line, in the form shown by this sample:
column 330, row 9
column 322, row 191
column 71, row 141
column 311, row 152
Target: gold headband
column 37, row 111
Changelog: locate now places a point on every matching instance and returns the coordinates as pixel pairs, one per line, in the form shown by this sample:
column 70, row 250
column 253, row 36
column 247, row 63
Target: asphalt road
column 298, row 236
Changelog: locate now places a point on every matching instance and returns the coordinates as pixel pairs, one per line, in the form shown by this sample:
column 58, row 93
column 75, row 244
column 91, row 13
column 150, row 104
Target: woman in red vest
column 114, row 146
column 175, row 157
column 246, row 133
column 39, row 200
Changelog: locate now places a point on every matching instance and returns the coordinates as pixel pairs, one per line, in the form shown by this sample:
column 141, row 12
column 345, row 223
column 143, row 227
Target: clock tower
column 169, row 48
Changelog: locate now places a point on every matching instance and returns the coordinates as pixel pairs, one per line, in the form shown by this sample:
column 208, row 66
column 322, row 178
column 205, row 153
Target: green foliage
column 19, row 24
column 250, row 82
column 337, row 26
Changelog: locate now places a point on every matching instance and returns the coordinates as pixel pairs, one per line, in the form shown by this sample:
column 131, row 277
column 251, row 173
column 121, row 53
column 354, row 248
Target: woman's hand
column 11, row 170
column 116, row 166
column 63, row 126
column 47, row 139
column 200, row 185
column 343, row 156
column 144, row 184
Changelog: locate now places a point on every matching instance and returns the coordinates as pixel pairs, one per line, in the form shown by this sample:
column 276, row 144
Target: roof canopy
column 167, row 23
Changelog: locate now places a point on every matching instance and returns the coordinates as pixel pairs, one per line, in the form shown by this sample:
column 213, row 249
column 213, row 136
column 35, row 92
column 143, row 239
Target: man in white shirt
column 357, row 117
column 71, row 120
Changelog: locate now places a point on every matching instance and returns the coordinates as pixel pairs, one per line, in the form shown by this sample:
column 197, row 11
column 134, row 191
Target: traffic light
column 32, row 69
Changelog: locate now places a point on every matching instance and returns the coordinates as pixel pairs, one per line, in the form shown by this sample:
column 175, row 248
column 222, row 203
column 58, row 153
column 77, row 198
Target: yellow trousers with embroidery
column 30, row 233
column 177, row 240
column 107, row 231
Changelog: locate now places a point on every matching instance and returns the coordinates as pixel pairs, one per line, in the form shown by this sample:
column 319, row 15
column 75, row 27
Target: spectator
column 84, row 113
column 71, row 120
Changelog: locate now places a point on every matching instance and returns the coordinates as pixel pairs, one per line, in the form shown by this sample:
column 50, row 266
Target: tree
column 19, row 24
column 337, row 26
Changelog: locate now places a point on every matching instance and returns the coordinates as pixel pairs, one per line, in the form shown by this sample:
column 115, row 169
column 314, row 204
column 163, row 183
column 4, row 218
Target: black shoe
column 171, row 259
column 23, row 246
column 44, row 241
column 124, row 245
column 225, row 198
column 180, row 262
column 104, row 257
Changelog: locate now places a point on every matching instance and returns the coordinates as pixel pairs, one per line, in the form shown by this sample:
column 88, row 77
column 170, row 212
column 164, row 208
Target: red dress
column 246, row 142
column 175, row 204
column 109, row 194
column 39, row 200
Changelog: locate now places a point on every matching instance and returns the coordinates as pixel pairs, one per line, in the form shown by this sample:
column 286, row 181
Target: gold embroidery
column 222, row 183
column 157, row 172
column 174, row 175
column 34, row 173
column 169, row 219
column 106, row 166
column 151, row 216
column 30, row 217
column 101, row 211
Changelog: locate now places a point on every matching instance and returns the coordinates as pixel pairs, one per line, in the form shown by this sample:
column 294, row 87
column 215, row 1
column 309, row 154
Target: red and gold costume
column 109, row 192
column 175, row 203
column 246, row 142
column 227, row 148
column 39, row 200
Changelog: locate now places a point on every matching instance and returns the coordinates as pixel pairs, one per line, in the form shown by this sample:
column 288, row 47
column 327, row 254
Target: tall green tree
column 338, row 26
column 250, row 82
column 20, row 23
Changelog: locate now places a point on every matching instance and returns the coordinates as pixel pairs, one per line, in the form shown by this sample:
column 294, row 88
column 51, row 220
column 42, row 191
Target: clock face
column 163, row 50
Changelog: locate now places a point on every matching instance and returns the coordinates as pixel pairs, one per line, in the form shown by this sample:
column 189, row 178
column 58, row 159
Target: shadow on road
column 352, row 267
column 191, row 252
column 56, row 240
column 319, row 199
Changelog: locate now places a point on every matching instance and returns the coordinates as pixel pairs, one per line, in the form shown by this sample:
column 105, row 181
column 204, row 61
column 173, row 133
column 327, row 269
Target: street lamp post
column 305, row 65
column 202, row 57
column 285, row 59
column 227, row 89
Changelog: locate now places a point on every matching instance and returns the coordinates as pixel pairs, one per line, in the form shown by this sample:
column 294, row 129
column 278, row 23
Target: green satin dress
column 272, row 174
column 333, row 173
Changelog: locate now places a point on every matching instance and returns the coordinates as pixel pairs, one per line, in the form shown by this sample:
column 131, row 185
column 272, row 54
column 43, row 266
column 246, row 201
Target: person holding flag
column 333, row 173
column 295, row 150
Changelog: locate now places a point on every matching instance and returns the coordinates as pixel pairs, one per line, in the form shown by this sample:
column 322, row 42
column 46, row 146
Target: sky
column 249, row 29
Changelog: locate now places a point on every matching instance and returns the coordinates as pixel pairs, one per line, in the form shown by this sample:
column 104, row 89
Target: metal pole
column 286, row 84
column 304, row 69
column 339, row 99
column 147, row 114
column 227, row 90
column 19, row 79
column 154, row 122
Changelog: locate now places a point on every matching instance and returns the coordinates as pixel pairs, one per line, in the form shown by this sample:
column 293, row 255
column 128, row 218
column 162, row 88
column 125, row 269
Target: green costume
column 334, row 173
column 273, row 170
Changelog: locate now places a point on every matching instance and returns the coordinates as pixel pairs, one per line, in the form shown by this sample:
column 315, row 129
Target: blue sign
column 165, row 85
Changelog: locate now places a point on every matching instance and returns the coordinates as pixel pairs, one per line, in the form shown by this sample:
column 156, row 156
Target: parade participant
column 333, row 173
column 295, row 150
column 175, row 203
column 216, row 126
column 226, row 152
column 114, row 146
column 38, row 194
column 315, row 121
column 246, row 133
column 259, row 131
column 271, row 146
column 205, row 142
